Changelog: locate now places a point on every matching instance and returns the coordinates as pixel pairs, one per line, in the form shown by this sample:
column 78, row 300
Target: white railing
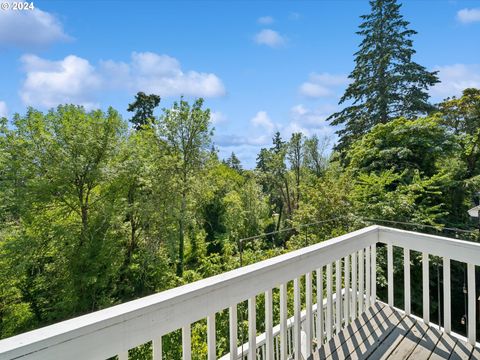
column 115, row 330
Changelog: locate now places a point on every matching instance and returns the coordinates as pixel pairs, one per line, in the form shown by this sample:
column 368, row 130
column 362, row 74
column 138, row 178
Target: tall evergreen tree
column 234, row 162
column 386, row 82
column 143, row 107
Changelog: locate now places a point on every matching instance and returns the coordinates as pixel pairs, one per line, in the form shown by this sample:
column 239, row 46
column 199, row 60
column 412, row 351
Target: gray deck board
column 444, row 347
column 382, row 333
column 427, row 344
column 360, row 322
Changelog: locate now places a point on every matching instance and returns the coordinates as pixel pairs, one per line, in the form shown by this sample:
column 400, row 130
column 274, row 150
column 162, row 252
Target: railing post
column 374, row 273
column 368, row 277
column 233, row 332
column 283, row 322
column 319, row 307
column 308, row 311
column 426, row 288
column 346, row 307
column 252, row 328
column 211, row 339
column 447, row 307
column 297, row 308
column 157, row 348
column 268, row 325
column 338, row 288
column 406, row 274
column 471, row 333
column 186, row 342
column 361, row 277
column 354, row 311
column 390, row 273
column 329, row 319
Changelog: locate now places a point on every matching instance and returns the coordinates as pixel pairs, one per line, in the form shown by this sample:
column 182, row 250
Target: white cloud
column 260, row 133
column 265, row 20
column 456, row 78
column 74, row 80
column 27, row 29
column 322, row 85
column 161, row 74
column 468, row 15
column 263, row 121
column 235, row 140
column 313, row 90
column 3, row 109
column 310, row 121
column 217, row 117
column 270, row 38
column 49, row 83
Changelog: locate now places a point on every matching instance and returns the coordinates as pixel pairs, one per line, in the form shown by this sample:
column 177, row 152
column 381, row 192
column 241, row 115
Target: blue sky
column 261, row 66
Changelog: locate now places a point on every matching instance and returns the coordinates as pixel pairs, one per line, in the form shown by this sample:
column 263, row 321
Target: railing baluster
column 374, row 273
column 211, row 339
column 425, row 289
column 297, row 308
column 406, row 275
column 186, row 342
column 308, row 311
column 346, row 307
column 338, row 289
column 368, row 279
column 232, row 322
column 471, row 333
column 277, row 349
column 157, row 348
column 283, row 321
column 354, row 286
column 123, row 355
column 320, row 307
column 268, row 325
column 390, row 274
column 361, row 276
column 329, row 319
column 252, row 328
column 447, row 305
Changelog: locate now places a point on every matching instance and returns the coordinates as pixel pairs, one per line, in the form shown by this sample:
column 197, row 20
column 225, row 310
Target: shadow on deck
column 385, row 333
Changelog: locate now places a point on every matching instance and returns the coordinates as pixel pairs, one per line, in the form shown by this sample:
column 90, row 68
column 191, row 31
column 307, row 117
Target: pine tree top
column 386, row 82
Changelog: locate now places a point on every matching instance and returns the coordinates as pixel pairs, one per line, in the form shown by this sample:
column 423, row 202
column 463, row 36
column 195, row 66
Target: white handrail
column 261, row 339
column 459, row 250
column 115, row 330
column 105, row 333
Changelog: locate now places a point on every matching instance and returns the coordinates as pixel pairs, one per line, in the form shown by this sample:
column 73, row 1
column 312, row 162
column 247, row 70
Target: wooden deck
column 384, row 333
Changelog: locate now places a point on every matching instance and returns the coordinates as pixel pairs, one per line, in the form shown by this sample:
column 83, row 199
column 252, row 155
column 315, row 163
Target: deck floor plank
column 475, row 354
column 383, row 350
column 359, row 323
column 370, row 343
column 461, row 351
column 383, row 333
column 427, row 344
column 444, row 348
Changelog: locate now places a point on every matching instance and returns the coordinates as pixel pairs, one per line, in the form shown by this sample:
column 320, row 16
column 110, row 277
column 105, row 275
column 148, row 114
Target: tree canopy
column 386, row 83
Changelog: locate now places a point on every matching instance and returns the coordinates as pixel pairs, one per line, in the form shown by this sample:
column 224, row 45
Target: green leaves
column 386, row 83
column 143, row 107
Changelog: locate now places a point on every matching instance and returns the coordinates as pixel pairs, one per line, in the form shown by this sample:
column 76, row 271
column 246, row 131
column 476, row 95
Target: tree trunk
column 181, row 245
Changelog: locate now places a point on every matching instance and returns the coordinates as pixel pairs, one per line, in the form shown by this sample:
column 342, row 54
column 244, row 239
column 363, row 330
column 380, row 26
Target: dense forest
column 97, row 210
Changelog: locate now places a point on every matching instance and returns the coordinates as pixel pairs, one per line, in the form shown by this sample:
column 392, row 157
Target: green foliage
column 93, row 214
column 386, row 82
column 399, row 170
column 143, row 107
column 185, row 130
